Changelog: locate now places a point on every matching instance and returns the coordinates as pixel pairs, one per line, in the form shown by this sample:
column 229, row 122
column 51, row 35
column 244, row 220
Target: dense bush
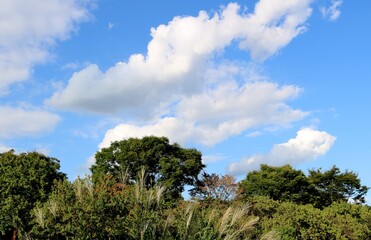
column 340, row 220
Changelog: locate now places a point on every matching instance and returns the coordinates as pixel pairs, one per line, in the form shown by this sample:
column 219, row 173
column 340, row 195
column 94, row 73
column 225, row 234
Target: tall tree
column 166, row 164
column 279, row 183
column 25, row 180
column 333, row 185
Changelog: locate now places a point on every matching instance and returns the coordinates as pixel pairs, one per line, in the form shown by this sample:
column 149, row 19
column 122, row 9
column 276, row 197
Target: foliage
column 278, row 183
column 215, row 187
column 168, row 165
column 111, row 210
column 145, row 218
column 332, row 186
column 25, row 180
column 293, row 221
column 207, row 222
column 349, row 221
column 318, row 188
column 81, row 210
column 37, row 201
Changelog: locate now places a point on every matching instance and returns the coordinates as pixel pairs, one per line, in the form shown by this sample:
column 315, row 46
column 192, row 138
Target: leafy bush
column 341, row 220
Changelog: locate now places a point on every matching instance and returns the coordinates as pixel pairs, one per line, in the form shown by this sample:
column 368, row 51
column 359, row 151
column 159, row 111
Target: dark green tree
column 165, row 164
column 278, row 183
column 25, row 180
column 333, row 185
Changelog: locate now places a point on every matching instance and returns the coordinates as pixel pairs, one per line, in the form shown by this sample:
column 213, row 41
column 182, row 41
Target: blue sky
column 245, row 82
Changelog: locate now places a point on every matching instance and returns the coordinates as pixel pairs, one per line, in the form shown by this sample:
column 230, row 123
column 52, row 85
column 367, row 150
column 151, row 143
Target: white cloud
column 28, row 29
column 22, row 122
column 332, row 12
column 110, row 25
column 256, row 103
column 211, row 117
column 164, row 127
column 84, row 169
column 306, row 146
column 4, row 148
column 179, row 57
column 74, row 66
column 39, row 149
column 255, row 134
column 86, row 133
column 212, row 158
column 43, row 150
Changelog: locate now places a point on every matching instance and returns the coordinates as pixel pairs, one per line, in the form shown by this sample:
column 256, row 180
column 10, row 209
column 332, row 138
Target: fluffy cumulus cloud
column 211, row 117
column 179, row 57
column 22, row 122
column 28, row 29
column 332, row 12
column 184, row 88
column 306, row 146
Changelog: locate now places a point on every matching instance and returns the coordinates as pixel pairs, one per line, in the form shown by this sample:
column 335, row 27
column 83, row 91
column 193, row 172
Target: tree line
column 135, row 192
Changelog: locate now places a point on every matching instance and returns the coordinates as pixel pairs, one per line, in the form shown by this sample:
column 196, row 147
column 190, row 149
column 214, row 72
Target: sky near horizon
column 244, row 82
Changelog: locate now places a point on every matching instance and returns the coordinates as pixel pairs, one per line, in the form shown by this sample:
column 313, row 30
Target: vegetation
column 166, row 164
column 278, row 183
column 332, row 186
column 134, row 193
column 25, row 180
column 341, row 220
column 320, row 189
column 216, row 188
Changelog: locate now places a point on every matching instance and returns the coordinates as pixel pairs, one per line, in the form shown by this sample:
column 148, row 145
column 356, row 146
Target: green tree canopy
column 166, row 164
column 279, row 183
column 318, row 188
column 333, row 185
column 25, row 180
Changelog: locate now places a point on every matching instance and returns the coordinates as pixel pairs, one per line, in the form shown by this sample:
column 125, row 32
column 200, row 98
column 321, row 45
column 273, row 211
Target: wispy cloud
column 332, row 12
column 212, row 158
column 110, row 25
